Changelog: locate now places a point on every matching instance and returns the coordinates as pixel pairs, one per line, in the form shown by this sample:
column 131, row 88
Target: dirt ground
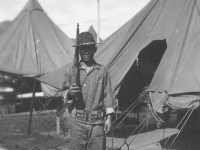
column 13, row 133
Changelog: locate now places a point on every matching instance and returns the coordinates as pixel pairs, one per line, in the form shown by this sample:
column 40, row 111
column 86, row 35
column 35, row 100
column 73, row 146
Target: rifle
column 75, row 71
column 75, row 67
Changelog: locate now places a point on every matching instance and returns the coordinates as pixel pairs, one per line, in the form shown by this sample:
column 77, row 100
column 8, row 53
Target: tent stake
column 31, row 109
column 58, row 113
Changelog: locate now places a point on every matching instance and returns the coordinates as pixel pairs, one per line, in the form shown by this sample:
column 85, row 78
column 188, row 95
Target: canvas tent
column 178, row 23
column 91, row 30
column 168, row 32
column 4, row 25
column 33, row 44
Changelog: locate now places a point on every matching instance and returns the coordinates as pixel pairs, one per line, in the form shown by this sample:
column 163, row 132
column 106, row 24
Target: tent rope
column 31, row 91
column 157, row 107
column 189, row 110
column 144, row 120
column 181, row 127
column 142, row 95
column 127, row 110
column 162, row 102
column 165, row 144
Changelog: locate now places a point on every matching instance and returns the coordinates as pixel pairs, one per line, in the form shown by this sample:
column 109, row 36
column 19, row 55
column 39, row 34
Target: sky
column 67, row 13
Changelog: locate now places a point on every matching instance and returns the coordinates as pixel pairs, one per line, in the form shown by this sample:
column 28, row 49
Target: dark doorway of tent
column 138, row 79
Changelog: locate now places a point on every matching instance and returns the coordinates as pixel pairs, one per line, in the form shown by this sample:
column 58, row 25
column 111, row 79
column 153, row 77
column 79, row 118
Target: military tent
column 163, row 37
column 4, row 25
column 33, row 44
column 177, row 76
column 94, row 33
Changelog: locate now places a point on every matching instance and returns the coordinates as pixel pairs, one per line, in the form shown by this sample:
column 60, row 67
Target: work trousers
column 86, row 136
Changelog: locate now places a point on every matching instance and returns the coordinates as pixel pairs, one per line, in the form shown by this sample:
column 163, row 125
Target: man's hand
column 108, row 123
column 74, row 91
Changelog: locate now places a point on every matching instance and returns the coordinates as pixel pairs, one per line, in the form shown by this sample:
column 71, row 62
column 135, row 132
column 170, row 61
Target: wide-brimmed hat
column 85, row 39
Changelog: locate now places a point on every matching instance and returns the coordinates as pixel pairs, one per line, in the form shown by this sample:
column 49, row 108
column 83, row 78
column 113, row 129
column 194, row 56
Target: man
column 92, row 107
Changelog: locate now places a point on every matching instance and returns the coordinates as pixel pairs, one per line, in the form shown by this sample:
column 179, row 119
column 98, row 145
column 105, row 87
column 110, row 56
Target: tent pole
column 31, row 109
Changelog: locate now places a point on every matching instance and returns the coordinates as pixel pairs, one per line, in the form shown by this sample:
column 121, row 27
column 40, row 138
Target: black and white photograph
column 99, row 74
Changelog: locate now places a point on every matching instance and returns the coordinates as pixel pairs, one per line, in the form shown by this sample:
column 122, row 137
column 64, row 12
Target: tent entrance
column 141, row 73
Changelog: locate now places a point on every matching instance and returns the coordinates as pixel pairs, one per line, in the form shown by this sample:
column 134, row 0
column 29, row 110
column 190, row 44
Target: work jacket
column 96, row 90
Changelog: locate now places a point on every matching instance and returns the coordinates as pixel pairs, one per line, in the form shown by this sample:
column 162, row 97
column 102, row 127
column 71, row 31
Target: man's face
column 87, row 53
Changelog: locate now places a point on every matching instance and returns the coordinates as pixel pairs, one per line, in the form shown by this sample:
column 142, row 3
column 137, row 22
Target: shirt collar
column 83, row 66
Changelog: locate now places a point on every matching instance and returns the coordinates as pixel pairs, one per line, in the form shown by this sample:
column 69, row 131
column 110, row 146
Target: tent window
column 141, row 74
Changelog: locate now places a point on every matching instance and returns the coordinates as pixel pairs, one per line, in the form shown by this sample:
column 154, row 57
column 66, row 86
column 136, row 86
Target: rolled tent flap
column 175, row 102
column 184, row 101
column 159, row 101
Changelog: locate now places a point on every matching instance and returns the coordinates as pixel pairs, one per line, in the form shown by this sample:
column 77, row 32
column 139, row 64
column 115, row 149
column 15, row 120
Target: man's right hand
column 74, row 91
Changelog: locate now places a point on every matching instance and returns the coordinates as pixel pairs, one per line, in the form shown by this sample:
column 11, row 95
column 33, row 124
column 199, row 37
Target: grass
column 14, row 131
column 19, row 123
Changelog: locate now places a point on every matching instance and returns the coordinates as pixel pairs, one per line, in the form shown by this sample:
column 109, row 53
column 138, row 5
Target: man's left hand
column 108, row 124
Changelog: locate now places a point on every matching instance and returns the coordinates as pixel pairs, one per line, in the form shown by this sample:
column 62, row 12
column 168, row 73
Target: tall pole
column 98, row 21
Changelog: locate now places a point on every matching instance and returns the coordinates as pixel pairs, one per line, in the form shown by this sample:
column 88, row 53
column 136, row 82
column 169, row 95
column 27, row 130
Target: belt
column 88, row 116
